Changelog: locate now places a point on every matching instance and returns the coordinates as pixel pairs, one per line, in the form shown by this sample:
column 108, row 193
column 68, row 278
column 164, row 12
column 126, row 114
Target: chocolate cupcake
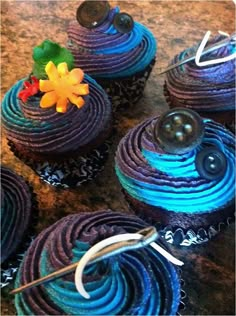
column 118, row 52
column 177, row 171
column 209, row 90
column 17, row 207
column 137, row 282
column 60, row 125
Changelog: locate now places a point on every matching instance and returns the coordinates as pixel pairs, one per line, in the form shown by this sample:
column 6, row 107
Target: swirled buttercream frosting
column 204, row 89
column 168, row 187
column 16, row 209
column 103, row 52
column 137, row 282
column 47, row 133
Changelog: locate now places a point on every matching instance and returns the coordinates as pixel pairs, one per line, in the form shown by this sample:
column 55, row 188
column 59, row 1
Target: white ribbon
column 105, row 243
column 214, row 61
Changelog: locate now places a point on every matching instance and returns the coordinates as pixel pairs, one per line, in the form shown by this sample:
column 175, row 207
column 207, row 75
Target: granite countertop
column 209, row 269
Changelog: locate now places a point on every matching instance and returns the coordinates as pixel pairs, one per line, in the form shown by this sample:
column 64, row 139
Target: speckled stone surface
column 209, row 269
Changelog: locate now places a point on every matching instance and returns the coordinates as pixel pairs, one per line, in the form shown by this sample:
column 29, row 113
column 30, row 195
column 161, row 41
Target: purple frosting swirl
column 46, row 132
column 209, row 88
column 138, row 282
column 15, row 211
column 104, row 52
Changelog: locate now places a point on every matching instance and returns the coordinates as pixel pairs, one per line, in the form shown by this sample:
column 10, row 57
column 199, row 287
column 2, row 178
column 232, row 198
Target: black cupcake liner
column 11, row 265
column 69, row 173
column 183, row 237
column 127, row 91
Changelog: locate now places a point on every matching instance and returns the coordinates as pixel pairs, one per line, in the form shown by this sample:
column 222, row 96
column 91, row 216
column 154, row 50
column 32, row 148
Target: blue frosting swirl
column 104, row 52
column 138, row 282
column 171, row 181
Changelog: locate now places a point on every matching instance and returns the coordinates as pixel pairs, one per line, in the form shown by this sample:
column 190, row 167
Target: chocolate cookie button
column 123, row 22
column 211, row 163
column 91, row 14
column 179, row 130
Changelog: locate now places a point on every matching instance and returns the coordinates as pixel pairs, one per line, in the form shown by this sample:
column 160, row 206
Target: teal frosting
column 137, row 282
column 49, row 132
column 147, row 54
column 172, row 181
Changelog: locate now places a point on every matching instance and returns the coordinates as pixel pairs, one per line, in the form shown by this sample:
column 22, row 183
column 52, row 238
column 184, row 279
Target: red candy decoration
column 30, row 89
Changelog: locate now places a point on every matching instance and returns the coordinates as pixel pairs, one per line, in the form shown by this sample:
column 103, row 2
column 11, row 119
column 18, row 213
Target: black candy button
column 91, row 14
column 123, row 22
column 179, row 130
column 211, row 163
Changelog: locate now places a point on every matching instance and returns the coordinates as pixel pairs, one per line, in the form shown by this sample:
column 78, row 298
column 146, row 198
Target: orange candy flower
column 63, row 86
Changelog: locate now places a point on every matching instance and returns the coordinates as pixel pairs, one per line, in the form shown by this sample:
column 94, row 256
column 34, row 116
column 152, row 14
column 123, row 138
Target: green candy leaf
column 47, row 51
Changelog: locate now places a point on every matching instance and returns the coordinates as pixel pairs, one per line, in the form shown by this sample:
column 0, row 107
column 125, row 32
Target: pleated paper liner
column 72, row 172
column 11, row 265
column 127, row 91
column 190, row 237
column 226, row 118
column 179, row 236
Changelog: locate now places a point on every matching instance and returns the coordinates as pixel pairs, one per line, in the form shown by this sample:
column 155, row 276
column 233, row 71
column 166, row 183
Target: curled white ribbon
column 105, row 243
column 213, row 61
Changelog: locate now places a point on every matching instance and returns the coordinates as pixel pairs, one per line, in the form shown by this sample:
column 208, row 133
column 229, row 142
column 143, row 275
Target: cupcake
column 17, row 211
column 136, row 282
column 209, row 90
column 177, row 171
column 118, row 52
column 58, row 119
